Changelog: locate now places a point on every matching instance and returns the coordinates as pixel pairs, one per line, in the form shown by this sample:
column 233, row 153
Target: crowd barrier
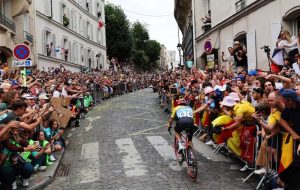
column 272, row 154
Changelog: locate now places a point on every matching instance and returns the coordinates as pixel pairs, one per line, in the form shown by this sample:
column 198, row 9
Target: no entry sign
column 21, row 52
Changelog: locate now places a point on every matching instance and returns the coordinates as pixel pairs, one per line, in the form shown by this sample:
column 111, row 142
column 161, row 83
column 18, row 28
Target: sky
column 161, row 27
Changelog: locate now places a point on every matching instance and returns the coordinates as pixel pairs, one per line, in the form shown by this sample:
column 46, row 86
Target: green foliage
column 152, row 50
column 118, row 36
column 140, row 35
column 132, row 42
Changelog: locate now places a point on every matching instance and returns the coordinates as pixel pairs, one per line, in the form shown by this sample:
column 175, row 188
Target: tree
column 152, row 50
column 140, row 59
column 118, row 37
column 140, row 35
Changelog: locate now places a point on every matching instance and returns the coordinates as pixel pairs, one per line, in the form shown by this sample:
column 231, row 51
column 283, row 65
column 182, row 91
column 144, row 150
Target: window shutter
column 93, row 60
column 47, row 6
column 69, row 51
column 61, row 12
column 91, row 33
column 251, row 50
column 71, row 20
column 44, row 44
column 62, row 49
column 74, row 21
column 54, row 46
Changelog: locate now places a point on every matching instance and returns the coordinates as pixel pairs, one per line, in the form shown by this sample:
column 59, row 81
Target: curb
column 41, row 180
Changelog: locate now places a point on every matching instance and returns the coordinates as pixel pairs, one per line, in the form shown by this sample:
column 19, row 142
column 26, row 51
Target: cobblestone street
column 118, row 147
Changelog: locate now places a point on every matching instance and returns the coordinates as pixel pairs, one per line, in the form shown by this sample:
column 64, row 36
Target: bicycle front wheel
column 192, row 169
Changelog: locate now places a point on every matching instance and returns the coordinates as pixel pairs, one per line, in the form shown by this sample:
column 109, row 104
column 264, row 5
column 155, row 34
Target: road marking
column 141, row 114
column 90, row 126
column 207, row 152
column 90, row 156
column 165, row 151
column 132, row 160
column 146, row 119
column 146, row 130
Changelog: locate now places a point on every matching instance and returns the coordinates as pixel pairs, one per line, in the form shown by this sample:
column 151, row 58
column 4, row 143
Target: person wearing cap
column 251, row 76
column 290, row 121
column 242, row 116
column 43, row 98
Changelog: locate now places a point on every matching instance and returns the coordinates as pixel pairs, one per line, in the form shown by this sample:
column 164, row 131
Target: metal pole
column 194, row 33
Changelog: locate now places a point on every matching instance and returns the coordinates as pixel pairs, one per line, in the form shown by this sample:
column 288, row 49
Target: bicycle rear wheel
column 192, row 169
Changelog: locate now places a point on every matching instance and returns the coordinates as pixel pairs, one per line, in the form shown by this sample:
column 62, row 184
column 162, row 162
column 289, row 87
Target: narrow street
column 123, row 144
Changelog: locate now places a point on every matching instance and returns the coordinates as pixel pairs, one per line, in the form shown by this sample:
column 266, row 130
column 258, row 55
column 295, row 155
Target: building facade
column 70, row 33
column 163, row 56
column 184, row 16
column 16, row 27
column 171, row 59
column 254, row 23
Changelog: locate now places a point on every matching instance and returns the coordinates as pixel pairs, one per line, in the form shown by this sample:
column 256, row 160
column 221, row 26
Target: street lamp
column 179, row 46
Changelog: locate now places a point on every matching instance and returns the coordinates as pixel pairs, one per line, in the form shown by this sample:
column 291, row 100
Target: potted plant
column 66, row 21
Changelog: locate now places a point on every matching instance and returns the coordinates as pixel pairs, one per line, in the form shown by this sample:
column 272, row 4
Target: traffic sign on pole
column 26, row 63
column 21, row 52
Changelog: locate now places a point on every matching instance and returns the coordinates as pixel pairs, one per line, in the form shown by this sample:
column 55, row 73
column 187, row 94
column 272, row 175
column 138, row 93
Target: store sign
column 26, row 63
column 210, row 61
column 189, row 64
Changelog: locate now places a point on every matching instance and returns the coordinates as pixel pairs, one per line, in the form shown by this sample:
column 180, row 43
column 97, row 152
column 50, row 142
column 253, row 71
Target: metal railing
column 240, row 5
column 7, row 23
column 28, row 37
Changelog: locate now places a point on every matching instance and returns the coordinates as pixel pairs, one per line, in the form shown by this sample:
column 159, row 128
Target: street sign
column 26, row 63
column 208, row 47
column 21, row 52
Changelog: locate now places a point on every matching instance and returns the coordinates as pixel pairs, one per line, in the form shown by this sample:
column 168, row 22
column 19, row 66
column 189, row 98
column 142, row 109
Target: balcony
column 7, row 23
column 20, row 7
column 28, row 37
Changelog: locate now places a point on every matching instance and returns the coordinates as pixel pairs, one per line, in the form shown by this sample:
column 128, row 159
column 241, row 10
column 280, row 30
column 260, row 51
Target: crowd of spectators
column 33, row 116
column 253, row 115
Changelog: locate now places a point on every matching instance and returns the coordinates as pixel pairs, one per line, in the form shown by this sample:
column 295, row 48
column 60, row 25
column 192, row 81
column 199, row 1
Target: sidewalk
column 41, row 179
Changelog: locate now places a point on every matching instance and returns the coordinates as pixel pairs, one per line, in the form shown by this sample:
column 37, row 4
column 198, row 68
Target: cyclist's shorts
column 187, row 125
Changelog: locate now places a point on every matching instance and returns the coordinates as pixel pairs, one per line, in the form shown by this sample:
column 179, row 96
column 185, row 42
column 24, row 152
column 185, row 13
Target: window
column 81, row 55
column 48, row 43
column 98, row 10
column 99, row 36
column 2, row 7
column 240, row 4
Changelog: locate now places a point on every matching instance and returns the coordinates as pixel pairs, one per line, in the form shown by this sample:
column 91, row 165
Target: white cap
column 235, row 96
column 208, row 90
column 228, row 101
column 43, row 97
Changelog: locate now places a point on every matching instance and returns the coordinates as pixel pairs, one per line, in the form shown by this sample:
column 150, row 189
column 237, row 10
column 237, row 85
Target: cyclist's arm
column 170, row 122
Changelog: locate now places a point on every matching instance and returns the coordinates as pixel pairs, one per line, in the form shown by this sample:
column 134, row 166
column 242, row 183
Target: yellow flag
column 23, row 75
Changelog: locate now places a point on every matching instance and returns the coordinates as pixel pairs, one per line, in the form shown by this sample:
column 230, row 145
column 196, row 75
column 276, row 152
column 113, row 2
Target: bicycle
column 187, row 155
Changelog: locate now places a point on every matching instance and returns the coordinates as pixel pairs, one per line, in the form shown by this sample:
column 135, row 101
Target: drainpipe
column 194, row 33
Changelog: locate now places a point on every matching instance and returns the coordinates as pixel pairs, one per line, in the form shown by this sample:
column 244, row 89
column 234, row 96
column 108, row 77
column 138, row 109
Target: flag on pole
column 100, row 24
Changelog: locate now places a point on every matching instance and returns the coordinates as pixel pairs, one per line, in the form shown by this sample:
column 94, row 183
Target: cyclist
column 183, row 115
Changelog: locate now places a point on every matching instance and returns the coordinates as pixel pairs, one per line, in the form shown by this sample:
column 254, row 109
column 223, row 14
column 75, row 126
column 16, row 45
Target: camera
column 266, row 49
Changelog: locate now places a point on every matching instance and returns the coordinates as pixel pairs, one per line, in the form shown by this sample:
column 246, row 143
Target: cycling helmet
column 181, row 101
